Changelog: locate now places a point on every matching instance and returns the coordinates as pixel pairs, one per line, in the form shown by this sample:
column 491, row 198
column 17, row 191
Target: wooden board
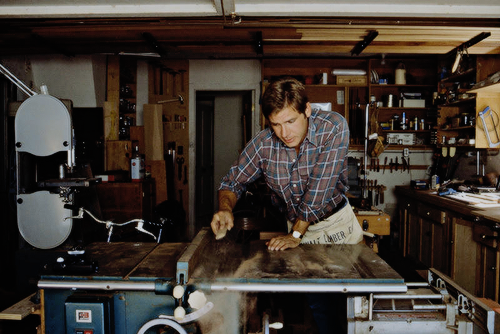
column 153, row 132
column 111, row 120
column 20, row 310
column 137, row 136
column 159, row 173
column 161, row 262
column 118, row 154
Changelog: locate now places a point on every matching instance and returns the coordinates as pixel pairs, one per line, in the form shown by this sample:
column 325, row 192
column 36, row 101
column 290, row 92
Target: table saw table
column 133, row 283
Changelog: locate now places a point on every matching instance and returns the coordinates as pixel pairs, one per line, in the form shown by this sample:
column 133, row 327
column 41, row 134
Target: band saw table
column 132, row 287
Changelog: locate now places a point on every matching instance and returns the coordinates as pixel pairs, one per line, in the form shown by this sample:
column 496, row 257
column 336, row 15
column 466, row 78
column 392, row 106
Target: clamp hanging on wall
column 463, row 48
column 358, row 48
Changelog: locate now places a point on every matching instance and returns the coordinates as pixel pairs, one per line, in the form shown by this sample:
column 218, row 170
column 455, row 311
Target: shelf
column 407, row 131
column 494, row 88
column 394, row 147
column 455, row 77
column 400, row 86
column 335, row 86
column 456, row 145
column 459, row 128
column 401, row 108
column 459, row 102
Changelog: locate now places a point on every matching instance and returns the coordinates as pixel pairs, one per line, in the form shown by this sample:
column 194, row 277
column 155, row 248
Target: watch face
column 296, row 234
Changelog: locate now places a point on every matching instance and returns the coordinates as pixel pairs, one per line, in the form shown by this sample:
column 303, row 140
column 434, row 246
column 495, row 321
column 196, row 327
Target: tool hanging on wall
column 487, row 117
column 180, row 162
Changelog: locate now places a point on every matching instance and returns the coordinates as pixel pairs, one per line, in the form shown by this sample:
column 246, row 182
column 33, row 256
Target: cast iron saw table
column 141, row 277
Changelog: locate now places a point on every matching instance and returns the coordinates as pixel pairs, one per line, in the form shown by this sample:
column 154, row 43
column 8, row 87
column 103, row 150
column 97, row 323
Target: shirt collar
column 312, row 127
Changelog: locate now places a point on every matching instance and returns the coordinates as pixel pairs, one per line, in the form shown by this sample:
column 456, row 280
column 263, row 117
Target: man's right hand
column 222, row 222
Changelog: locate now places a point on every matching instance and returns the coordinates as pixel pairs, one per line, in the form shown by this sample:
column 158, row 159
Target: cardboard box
column 401, row 138
column 351, row 80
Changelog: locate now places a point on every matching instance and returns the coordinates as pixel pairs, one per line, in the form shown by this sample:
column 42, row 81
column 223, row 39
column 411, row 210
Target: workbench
column 137, row 279
column 458, row 239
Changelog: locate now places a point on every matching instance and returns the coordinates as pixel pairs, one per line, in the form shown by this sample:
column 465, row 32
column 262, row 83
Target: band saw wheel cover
column 41, row 219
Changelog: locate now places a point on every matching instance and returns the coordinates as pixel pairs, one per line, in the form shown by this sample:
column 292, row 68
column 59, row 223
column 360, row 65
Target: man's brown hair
column 285, row 92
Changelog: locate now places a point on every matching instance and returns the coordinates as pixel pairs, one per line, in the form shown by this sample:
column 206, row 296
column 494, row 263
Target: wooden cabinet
column 404, row 98
column 122, row 201
column 459, row 105
column 489, row 257
column 444, row 234
column 345, row 97
column 424, row 234
column 349, row 95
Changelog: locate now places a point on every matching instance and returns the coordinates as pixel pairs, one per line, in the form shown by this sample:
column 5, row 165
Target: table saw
column 128, row 287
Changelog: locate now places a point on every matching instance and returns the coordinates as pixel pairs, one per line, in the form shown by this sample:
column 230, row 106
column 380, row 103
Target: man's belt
column 339, row 206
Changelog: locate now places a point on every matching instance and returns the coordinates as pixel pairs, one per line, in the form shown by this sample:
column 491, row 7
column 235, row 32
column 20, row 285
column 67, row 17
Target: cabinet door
column 426, row 242
column 440, row 248
column 434, row 250
column 404, row 209
column 488, row 280
column 414, row 236
column 465, row 252
column 488, row 286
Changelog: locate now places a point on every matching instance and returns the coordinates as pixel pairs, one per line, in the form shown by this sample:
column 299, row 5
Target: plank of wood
column 118, row 154
column 153, row 131
column 485, row 198
column 111, row 120
column 159, row 173
column 137, row 135
column 20, row 310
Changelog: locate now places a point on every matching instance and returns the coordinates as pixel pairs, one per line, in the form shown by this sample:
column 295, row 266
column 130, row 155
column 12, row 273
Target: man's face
column 290, row 126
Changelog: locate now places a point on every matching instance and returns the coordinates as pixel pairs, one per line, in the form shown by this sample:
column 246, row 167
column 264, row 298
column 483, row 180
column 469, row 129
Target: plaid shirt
column 312, row 183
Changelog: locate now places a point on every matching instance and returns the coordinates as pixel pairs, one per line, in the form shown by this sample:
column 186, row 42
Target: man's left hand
column 282, row 242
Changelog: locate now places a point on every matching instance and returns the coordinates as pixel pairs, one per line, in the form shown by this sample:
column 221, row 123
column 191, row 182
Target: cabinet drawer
column 407, row 204
column 431, row 213
column 485, row 235
column 379, row 224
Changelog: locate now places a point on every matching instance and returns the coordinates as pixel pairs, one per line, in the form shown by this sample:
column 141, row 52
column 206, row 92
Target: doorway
column 223, row 127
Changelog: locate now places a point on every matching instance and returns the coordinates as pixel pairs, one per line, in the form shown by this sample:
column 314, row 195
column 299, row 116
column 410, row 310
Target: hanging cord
column 21, row 85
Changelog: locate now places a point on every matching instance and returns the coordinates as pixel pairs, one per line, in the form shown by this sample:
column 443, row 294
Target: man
column 302, row 158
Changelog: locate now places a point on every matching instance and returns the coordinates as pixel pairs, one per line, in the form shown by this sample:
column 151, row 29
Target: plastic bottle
column 136, row 166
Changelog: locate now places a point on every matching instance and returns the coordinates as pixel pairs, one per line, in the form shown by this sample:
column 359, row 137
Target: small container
column 422, row 124
column 324, row 80
column 136, row 166
column 395, row 122
column 435, row 182
column 464, row 119
column 390, row 101
column 403, row 121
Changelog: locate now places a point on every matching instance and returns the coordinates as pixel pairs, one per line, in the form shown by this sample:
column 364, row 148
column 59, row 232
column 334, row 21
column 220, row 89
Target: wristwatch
column 297, row 235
